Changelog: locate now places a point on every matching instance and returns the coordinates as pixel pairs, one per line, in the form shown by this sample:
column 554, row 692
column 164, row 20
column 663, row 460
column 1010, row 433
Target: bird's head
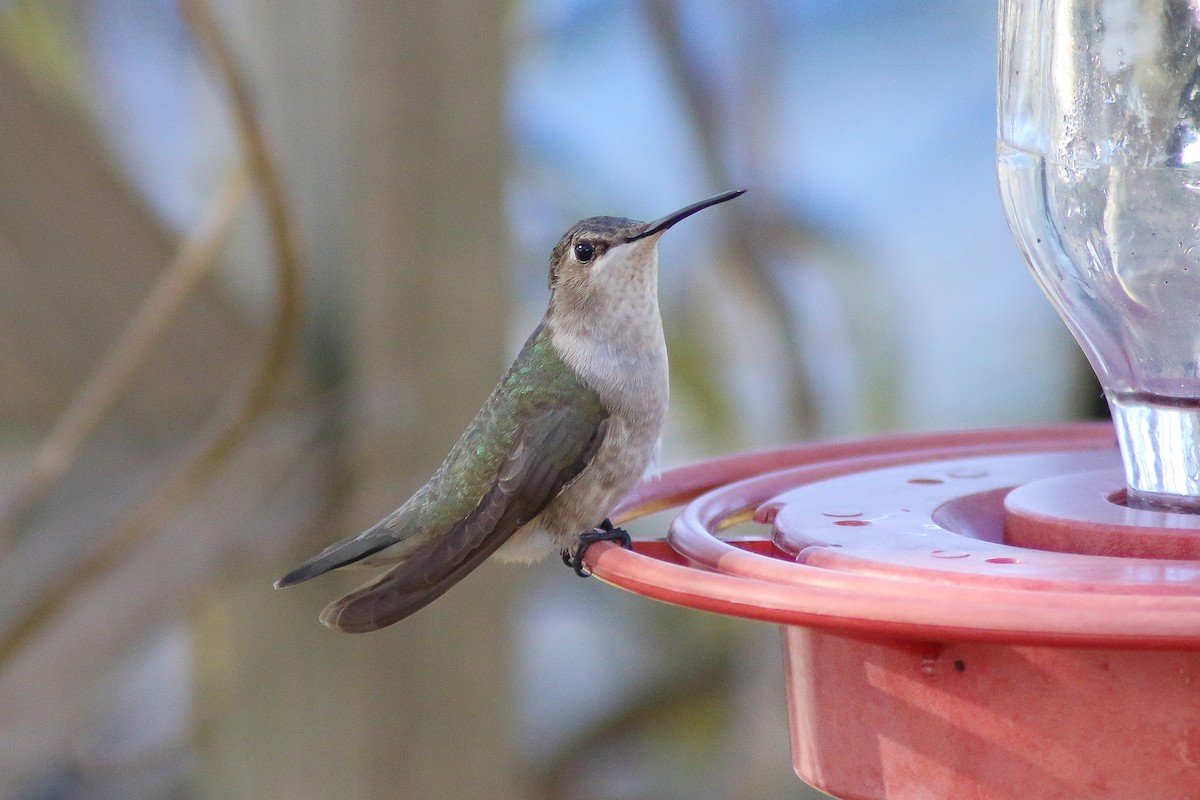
column 604, row 263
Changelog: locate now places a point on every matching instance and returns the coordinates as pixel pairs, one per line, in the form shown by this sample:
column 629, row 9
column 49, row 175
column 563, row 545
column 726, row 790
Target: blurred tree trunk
column 290, row 709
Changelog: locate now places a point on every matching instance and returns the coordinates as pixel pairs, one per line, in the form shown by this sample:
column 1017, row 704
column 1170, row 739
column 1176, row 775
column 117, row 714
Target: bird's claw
column 604, row 532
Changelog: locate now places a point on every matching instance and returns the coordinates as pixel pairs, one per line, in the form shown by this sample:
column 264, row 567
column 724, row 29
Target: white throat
column 610, row 332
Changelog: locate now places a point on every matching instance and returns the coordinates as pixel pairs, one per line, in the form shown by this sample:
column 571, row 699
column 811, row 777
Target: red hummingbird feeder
column 966, row 615
column 1014, row 613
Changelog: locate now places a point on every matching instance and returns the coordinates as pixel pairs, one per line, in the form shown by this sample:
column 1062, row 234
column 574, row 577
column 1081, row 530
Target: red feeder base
column 968, row 615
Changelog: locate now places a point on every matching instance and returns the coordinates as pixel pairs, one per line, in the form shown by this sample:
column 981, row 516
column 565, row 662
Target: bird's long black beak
column 660, row 225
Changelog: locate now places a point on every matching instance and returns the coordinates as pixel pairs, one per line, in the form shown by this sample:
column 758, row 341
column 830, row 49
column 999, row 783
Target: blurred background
column 376, row 187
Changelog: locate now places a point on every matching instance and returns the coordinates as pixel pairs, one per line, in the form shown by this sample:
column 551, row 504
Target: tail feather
column 406, row 588
column 336, row 555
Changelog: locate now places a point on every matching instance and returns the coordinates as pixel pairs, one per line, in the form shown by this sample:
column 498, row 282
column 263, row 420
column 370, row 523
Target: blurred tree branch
column 143, row 331
column 79, row 249
column 760, row 229
column 214, row 445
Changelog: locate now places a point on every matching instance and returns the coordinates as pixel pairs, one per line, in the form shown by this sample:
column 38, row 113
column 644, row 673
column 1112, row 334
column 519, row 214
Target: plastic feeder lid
column 906, row 536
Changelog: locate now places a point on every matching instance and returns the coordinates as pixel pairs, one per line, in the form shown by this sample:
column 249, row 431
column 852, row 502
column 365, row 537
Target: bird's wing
column 555, row 445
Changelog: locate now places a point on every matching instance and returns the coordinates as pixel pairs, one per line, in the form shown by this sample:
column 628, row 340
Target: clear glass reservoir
column 1098, row 158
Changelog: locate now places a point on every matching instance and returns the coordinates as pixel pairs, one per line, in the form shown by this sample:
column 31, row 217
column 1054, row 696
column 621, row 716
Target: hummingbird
column 567, row 432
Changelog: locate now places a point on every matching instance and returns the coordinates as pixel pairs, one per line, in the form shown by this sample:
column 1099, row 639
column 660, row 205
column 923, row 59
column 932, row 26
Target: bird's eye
column 584, row 252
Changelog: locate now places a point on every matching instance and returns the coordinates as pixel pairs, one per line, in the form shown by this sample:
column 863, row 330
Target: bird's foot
column 604, row 532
